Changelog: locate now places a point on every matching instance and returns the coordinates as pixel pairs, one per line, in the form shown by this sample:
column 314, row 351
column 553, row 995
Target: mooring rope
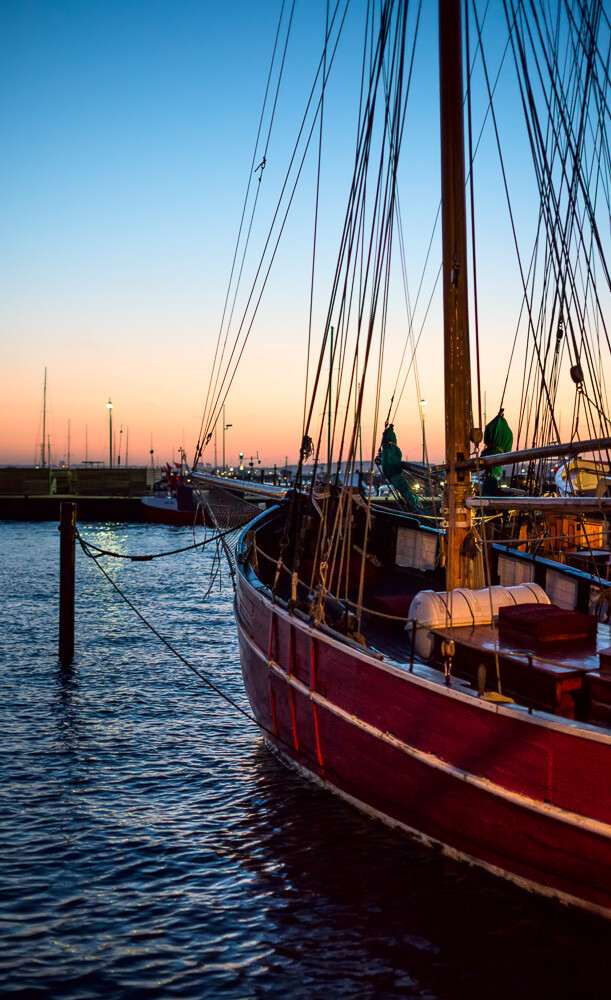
column 86, row 545
column 194, row 670
column 226, row 697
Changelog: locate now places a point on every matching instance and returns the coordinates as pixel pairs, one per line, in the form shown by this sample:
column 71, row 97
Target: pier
column 102, row 494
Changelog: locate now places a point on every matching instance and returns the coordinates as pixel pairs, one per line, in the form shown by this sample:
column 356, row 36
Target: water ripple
column 151, row 846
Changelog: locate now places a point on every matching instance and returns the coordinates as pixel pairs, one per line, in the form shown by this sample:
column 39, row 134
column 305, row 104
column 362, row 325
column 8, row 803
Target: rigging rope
column 252, row 172
column 199, row 673
column 294, row 170
column 566, row 148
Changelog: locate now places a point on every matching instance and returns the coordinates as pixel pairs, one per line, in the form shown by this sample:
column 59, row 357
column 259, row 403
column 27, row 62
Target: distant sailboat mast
column 44, row 420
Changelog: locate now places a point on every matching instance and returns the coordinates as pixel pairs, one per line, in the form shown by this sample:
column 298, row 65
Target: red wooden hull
column 168, row 513
column 527, row 797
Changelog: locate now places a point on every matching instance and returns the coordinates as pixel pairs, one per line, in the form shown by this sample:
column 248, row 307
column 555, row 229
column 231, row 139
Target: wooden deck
column 564, row 678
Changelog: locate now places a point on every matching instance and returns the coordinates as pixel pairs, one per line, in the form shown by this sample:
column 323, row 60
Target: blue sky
column 128, row 129
column 128, row 134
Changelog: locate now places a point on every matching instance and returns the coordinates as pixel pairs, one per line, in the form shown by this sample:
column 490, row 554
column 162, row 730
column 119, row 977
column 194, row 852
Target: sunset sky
column 128, row 132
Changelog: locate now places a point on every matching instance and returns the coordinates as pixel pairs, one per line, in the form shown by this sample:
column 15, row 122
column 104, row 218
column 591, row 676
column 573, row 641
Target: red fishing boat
column 465, row 699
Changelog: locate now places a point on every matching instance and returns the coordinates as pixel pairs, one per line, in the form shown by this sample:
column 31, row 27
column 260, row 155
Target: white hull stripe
column 596, row 827
column 451, row 852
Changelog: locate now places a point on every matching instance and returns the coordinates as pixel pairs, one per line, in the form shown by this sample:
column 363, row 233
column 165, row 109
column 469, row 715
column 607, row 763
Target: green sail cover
column 392, row 467
column 498, row 438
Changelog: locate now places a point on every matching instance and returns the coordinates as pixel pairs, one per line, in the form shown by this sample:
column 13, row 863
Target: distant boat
column 175, row 501
column 583, row 477
column 186, row 498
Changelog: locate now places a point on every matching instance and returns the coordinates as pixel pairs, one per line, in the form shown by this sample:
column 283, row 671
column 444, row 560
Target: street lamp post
column 225, row 428
column 109, row 405
column 422, row 405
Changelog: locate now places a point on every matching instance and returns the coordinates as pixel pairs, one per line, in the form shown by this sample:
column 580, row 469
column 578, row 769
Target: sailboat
column 474, row 714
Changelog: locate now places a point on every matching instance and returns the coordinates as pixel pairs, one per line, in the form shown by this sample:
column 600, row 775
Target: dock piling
column 67, row 538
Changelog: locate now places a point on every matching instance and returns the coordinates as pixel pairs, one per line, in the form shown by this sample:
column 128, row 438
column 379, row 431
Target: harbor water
column 152, row 846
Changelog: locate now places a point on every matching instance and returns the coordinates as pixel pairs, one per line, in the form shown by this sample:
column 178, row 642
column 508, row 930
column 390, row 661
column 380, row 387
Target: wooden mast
column 456, row 321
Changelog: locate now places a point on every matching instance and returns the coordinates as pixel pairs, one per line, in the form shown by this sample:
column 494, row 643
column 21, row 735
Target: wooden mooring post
column 67, row 538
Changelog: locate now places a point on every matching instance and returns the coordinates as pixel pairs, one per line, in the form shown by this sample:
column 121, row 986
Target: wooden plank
column 538, row 682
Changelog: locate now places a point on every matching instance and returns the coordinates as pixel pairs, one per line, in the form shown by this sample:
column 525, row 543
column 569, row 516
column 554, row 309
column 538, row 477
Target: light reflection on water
column 151, row 845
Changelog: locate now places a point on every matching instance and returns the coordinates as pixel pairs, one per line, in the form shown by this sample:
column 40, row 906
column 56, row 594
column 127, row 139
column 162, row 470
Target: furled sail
column 392, row 466
column 498, row 439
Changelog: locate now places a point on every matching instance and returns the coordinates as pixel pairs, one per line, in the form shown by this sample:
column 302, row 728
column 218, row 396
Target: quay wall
column 35, row 494
column 103, row 482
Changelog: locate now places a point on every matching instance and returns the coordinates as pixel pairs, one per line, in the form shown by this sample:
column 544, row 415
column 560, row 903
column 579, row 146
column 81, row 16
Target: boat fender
column 444, row 609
